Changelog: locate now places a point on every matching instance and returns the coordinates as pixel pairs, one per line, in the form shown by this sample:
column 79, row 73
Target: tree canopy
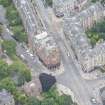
column 9, row 47
column 5, row 3
column 97, row 32
column 19, row 72
column 3, row 69
column 49, row 2
column 15, row 21
column 52, row 98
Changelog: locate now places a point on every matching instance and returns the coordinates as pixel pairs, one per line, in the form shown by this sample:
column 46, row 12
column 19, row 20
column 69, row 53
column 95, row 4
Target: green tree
column 49, row 101
column 33, row 101
column 22, row 99
column 52, row 98
column 49, row 2
column 1, row 29
column 19, row 72
column 94, row 1
column 13, row 16
column 3, row 69
column 20, row 34
column 8, row 84
column 103, row 2
column 65, row 100
column 9, row 47
column 5, row 3
column 15, row 21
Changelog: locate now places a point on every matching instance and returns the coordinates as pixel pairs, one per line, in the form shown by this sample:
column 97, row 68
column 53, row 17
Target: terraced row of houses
column 60, row 6
column 74, row 29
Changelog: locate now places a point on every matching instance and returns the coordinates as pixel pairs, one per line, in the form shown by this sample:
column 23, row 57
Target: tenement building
column 59, row 6
column 89, row 58
column 39, row 42
column 91, row 15
column 47, row 50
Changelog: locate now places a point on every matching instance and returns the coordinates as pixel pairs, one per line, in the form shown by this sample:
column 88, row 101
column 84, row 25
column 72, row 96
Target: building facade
column 89, row 58
column 91, row 15
column 40, row 43
column 94, row 58
column 47, row 50
column 60, row 6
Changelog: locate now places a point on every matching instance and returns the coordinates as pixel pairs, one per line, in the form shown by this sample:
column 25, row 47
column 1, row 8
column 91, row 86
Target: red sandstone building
column 47, row 50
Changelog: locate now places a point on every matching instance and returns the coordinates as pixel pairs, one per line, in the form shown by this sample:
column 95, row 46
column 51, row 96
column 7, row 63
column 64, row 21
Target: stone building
column 60, row 6
column 94, row 58
column 6, row 98
column 47, row 50
column 91, row 15
column 33, row 88
column 89, row 58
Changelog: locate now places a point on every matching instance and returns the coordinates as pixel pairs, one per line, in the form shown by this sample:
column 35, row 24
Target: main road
column 71, row 77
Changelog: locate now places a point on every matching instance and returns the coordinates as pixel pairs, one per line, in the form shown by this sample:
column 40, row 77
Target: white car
column 27, row 51
column 68, row 54
column 93, row 100
column 31, row 55
column 22, row 56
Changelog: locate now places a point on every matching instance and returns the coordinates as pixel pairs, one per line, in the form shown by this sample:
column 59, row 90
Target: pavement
column 2, row 15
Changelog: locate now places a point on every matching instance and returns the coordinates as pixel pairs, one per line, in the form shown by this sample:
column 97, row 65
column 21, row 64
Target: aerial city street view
column 52, row 52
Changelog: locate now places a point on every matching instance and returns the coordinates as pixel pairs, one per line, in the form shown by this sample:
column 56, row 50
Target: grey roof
column 93, row 9
column 5, row 98
column 45, row 41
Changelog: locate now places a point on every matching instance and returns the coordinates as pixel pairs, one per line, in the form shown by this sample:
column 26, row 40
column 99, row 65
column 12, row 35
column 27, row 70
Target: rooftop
column 97, row 7
column 46, row 48
column 6, row 98
column 45, row 41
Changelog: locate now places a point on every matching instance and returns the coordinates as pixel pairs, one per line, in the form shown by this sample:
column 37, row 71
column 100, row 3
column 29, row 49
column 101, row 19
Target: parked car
column 93, row 100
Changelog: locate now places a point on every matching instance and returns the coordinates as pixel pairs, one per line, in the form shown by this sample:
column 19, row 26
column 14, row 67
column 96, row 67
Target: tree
column 13, row 16
column 49, row 101
column 1, row 29
column 19, row 72
column 94, row 1
column 14, row 21
column 52, row 98
column 3, row 69
column 33, row 101
column 5, row 3
column 103, row 2
column 97, row 32
column 22, row 99
column 19, row 33
column 10, row 47
column 65, row 100
column 49, row 2
column 8, row 84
